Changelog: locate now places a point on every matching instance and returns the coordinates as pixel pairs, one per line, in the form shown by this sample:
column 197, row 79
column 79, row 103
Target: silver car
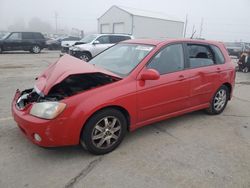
column 92, row 45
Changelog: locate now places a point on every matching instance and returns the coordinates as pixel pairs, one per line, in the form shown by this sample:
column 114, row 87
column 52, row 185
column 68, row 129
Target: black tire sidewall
column 86, row 140
column 214, row 111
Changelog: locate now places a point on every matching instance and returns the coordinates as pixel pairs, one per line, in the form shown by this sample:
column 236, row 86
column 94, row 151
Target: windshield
column 88, row 39
column 121, row 59
column 4, row 36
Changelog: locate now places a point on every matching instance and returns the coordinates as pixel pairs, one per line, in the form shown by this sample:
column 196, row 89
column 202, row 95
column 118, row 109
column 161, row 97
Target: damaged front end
column 71, row 85
column 30, row 96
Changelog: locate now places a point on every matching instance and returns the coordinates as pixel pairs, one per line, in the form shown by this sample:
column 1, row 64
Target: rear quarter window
column 27, row 36
column 38, row 36
column 219, row 57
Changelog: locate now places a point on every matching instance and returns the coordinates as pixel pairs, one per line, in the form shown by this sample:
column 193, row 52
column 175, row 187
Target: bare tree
column 18, row 25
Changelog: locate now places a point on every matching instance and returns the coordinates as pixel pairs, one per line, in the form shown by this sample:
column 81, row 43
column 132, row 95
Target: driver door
column 13, row 42
column 168, row 94
column 101, row 44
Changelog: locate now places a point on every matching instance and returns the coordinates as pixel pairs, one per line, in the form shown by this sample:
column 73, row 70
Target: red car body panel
column 145, row 102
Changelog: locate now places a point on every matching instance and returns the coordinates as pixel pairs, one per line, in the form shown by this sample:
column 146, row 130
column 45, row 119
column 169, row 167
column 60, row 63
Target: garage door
column 118, row 27
column 105, row 28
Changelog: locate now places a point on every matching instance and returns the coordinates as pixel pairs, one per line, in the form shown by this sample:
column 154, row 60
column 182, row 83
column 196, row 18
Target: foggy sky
column 225, row 20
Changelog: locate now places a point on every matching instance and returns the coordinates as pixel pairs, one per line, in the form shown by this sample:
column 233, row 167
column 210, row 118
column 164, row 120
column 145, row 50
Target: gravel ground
column 194, row 150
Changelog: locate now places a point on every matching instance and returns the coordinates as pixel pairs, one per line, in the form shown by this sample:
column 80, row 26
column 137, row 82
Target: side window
column 116, row 39
column 104, row 40
column 200, row 55
column 15, row 36
column 219, row 57
column 27, row 36
column 169, row 59
column 70, row 39
column 38, row 36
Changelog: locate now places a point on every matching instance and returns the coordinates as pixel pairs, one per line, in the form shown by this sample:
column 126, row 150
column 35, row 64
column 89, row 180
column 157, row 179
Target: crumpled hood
column 65, row 66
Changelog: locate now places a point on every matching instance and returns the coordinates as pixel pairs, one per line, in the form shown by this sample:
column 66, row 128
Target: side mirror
column 96, row 42
column 150, row 74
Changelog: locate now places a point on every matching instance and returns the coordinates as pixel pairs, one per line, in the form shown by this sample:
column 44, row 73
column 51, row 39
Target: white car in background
column 92, row 45
column 66, row 44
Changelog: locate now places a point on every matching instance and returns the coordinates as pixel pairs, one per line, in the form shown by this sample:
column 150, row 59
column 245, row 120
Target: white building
column 140, row 23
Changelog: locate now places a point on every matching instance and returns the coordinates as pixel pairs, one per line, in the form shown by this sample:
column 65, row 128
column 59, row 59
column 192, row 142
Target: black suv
column 27, row 41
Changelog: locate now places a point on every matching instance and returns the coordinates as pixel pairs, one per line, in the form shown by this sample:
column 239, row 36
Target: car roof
column 113, row 34
column 25, row 32
column 143, row 41
column 158, row 42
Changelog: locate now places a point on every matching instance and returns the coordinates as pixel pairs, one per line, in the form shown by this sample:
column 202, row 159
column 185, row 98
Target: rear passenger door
column 204, row 72
column 27, row 40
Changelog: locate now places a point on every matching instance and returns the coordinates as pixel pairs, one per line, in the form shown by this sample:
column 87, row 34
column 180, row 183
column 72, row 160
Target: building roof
column 147, row 13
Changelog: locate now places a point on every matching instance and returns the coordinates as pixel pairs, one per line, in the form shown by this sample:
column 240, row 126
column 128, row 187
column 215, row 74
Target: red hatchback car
column 132, row 84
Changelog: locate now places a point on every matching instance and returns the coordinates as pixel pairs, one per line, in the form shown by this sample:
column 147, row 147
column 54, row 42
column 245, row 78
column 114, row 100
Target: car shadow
column 132, row 137
column 71, row 152
column 165, row 126
column 20, row 52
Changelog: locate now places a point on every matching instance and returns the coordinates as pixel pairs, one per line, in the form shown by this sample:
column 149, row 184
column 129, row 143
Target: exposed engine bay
column 70, row 86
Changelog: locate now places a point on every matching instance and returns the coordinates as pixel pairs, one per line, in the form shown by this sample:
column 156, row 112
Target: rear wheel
column 85, row 56
column 36, row 49
column 104, row 131
column 245, row 70
column 219, row 101
column 1, row 50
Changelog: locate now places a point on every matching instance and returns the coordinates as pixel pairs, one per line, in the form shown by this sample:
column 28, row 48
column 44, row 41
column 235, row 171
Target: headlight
column 75, row 48
column 47, row 110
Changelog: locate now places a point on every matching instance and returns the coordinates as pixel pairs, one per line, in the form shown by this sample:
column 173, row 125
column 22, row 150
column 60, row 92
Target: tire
column 104, row 131
column 85, row 56
column 219, row 101
column 36, row 49
column 245, row 70
column 1, row 50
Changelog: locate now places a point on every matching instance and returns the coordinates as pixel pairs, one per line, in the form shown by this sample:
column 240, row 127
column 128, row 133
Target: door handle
column 181, row 77
column 218, row 70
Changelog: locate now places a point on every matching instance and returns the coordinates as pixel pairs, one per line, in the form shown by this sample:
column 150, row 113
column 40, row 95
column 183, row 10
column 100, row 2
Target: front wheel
column 104, row 131
column 85, row 56
column 219, row 101
column 36, row 49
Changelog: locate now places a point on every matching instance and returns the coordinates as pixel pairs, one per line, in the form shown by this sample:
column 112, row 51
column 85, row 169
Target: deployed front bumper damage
column 47, row 129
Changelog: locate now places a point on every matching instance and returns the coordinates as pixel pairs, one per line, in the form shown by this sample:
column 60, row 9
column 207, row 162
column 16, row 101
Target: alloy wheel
column 84, row 57
column 220, row 100
column 36, row 49
column 106, row 132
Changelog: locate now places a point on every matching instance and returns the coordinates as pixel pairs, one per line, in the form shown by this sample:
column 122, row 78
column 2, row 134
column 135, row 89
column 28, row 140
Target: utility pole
column 201, row 27
column 185, row 29
column 56, row 16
